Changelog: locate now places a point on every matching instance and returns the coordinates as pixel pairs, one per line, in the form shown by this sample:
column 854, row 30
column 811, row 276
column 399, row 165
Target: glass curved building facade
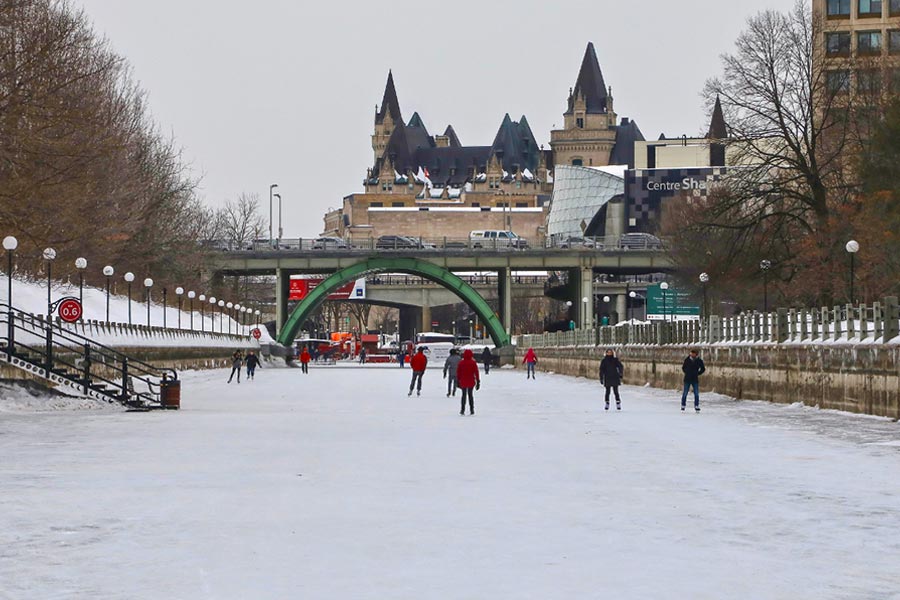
column 579, row 193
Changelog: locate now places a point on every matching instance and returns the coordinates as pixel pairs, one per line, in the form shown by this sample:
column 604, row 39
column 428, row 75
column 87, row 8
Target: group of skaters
column 461, row 372
column 238, row 360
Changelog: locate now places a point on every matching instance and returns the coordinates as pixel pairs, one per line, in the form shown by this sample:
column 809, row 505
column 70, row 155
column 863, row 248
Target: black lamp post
column 271, row 189
column 212, row 314
column 257, row 318
column 81, row 265
column 229, row 306
column 191, row 296
column 202, row 299
column 164, row 307
column 764, row 266
column 49, row 255
column 852, row 247
column 178, row 292
column 221, row 314
column 129, row 277
column 704, row 279
column 108, row 271
column 279, row 215
column 664, row 286
column 148, row 283
column 9, row 244
column 631, row 296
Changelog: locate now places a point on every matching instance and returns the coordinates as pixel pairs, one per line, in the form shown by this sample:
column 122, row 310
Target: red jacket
column 419, row 361
column 467, row 371
column 530, row 356
column 304, row 356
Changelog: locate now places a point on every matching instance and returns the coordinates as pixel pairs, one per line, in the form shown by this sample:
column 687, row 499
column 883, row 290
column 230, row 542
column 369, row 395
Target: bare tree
column 240, row 221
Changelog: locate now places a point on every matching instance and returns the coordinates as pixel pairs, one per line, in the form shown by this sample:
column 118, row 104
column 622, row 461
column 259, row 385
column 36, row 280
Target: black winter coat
column 252, row 361
column 693, row 368
column 611, row 371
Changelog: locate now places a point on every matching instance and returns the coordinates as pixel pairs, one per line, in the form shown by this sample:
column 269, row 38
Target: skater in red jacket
column 304, row 360
column 529, row 361
column 418, row 363
column 468, row 379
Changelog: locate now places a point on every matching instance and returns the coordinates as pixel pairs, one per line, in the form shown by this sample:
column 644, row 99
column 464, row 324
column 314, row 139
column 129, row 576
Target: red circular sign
column 70, row 310
column 256, row 333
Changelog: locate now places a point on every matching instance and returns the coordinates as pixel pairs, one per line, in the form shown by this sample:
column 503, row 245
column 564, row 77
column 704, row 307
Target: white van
column 495, row 238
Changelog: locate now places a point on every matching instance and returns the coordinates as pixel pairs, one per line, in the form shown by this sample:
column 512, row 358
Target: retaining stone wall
column 861, row 379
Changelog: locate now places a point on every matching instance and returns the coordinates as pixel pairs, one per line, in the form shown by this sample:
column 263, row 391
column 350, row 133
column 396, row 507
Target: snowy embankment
column 206, row 328
column 337, row 485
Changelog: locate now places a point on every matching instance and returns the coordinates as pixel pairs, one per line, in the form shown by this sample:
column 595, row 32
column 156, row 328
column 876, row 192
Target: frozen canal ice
column 338, row 485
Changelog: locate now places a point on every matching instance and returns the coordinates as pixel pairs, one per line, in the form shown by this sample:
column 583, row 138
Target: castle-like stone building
column 433, row 186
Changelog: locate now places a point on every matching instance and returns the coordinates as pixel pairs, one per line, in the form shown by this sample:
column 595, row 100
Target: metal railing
column 861, row 323
column 48, row 350
column 443, row 244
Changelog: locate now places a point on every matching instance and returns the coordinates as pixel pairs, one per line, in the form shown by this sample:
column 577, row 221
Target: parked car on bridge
column 329, row 243
column 640, row 241
column 494, row 238
column 398, row 242
column 575, row 241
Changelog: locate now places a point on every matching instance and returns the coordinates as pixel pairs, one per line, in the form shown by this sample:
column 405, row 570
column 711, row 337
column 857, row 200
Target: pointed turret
column 718, row 129
column 590, row 84
column 389, row 104
column 453, row 140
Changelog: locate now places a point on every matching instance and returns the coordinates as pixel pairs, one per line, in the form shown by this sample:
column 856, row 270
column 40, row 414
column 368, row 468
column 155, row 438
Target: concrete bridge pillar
column 410, row 322
column 504, row 293
column 426, row 317
column 584, row 297
column 621, row 308
column 282, row 290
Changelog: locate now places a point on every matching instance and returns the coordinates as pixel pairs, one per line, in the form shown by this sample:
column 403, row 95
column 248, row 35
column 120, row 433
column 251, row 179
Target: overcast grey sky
column 281, row 91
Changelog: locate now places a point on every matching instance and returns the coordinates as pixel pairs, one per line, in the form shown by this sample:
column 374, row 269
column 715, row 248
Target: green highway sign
column 678, row 304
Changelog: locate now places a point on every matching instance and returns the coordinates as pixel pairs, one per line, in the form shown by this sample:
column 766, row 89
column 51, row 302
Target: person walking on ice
column 486, row 358
column 418, row 363
column 611, row 373
column 693, row 368
column 529, row 361
column 450, row 369
column 468, row 379
column 237, row 360
column 304, row 360
column 252, row 361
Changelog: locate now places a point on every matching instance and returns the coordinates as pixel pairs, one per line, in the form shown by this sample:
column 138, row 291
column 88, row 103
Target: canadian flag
column 427, row 174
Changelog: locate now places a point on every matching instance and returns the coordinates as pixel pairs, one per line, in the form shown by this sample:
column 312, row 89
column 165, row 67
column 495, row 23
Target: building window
column 579, row 123
column 397, row 204
column 838, row 8
column 894, row 42
column 837, row 44
column 838, row 82
column 870, row 8
column 521, row 205
column 494, row 183
column 376, row 204
column 868, row 42
column 577, row 162
column 895, row 7
column 476, row 204
column 868, row 81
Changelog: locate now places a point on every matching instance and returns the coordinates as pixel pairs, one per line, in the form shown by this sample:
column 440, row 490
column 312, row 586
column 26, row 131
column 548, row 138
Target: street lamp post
column 178, row 292
column 606, row 300
column 221, row 314
column 9, row 244
column 129, row 277
column 229, row 306
column 202, row 299
column 81, row 265
column 257, row 318
column 148, row 283
column 280, row 232
column 109, row 272
column 664, row 286
column 49, row 255
column 764, row 266
column 164, row 307
column 631, row 296
column 852, row 247
column 191, row 296
column 271, row 189
column 212, row 314
column 704, row 279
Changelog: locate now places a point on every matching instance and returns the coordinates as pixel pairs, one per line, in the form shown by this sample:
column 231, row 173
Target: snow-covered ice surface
column 338, row 485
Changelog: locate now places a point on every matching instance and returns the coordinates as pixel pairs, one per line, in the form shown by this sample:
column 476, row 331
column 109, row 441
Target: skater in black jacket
column 693, row 368
column 252, row 361
column 611, row 373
